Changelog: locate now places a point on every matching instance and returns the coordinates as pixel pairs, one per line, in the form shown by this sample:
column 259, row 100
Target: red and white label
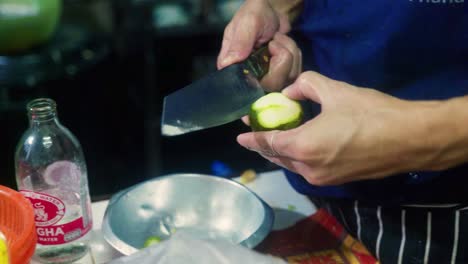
column 48, row 211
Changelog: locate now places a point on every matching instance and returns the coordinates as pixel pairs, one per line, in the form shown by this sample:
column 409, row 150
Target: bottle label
column 49, row 213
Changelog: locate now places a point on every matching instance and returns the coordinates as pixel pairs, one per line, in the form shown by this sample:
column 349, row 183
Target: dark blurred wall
column 113, row 105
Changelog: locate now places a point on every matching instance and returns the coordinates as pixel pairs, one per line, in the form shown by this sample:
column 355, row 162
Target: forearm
column 442, row 134
column 291, row 8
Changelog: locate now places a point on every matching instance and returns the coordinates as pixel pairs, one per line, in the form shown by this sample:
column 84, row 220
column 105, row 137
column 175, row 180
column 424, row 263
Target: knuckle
column 316, row 179
column 271, row 84
column 291, row 44
column 253, row 21
column 287, row 42
column 299, row 54
column 311, row 78
column 303, row 79
column 300, row 154
column 311, row 75
column 287, row 59
column 295, row 71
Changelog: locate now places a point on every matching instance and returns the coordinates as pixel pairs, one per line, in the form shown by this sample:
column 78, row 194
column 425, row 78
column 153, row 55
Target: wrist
column 442, row 136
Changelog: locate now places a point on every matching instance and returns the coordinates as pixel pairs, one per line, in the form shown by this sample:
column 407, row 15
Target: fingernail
column 286, row 91
column 274, row 45
column 241, row 140
column 225, row 62
column 231, row 56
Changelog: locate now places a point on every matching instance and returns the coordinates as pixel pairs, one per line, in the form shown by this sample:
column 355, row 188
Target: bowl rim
column 253, row 240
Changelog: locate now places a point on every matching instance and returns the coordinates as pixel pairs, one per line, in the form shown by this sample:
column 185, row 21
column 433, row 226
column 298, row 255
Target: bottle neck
column 42, row 111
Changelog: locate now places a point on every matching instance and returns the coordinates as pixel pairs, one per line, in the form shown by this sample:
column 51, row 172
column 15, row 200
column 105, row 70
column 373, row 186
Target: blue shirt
column 411, row 49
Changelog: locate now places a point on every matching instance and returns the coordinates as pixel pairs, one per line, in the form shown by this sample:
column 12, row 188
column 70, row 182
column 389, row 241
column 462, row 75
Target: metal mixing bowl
column 203, row 206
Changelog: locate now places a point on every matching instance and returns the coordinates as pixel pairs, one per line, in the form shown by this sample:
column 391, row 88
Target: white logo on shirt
column 439, row 1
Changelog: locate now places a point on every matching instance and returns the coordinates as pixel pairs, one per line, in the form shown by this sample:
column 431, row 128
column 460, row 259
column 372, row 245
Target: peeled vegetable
column 275, row 111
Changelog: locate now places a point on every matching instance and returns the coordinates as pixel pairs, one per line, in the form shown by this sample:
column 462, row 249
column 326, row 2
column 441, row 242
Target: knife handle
column 258, row 62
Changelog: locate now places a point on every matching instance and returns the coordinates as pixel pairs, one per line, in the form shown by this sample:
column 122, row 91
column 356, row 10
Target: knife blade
column 216, row 99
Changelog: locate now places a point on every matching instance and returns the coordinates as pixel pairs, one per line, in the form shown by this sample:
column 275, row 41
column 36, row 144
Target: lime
column 151, row 240
column 275, row 111
column 27, row 23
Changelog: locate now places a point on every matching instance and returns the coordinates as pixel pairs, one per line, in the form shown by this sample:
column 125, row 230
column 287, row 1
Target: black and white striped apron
column 406, row 234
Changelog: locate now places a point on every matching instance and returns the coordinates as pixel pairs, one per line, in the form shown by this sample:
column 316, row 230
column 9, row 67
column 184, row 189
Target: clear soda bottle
column 51, row 173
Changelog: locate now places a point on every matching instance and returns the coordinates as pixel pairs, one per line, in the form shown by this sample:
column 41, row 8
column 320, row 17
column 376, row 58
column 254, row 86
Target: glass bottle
column 51, row 173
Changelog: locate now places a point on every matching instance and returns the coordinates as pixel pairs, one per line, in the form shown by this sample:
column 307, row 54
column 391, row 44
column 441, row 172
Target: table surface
column 273, row 187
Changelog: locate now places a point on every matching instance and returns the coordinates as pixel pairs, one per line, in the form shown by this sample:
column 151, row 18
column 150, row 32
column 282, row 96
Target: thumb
column 308, row 86
column 239, row 40
column 246, row 32
column 269, row 143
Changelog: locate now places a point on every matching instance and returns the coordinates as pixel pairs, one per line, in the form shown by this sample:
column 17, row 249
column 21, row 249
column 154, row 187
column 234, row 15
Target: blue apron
column 411, row 49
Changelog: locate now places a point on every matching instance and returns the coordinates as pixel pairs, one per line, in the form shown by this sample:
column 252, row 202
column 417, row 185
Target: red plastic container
column 17, row 224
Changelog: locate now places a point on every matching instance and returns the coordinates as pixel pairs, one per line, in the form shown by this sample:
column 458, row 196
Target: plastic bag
column 183, row 249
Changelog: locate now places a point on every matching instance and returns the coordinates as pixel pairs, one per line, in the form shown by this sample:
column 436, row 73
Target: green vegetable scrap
column 151, row 240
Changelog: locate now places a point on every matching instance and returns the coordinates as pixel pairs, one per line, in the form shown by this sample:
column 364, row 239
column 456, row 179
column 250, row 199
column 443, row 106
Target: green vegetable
column 291, row 207
column 275, row 111
column 25, row 24
column 151, row 240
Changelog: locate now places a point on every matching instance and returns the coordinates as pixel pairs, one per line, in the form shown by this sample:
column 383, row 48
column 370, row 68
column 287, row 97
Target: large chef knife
column 217, row 99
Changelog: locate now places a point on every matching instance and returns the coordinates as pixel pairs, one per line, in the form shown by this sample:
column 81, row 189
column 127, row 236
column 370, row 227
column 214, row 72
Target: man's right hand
column 254, row 24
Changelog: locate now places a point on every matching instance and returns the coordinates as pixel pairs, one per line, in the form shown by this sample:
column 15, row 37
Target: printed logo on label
column 48, row 210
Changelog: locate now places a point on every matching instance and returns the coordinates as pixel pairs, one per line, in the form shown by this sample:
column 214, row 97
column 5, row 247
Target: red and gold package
column 317, row 239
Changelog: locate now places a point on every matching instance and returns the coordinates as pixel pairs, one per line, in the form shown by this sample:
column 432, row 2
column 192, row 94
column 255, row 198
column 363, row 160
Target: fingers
column 271, row 143
column 280, row 65
column 296, row 53
column 285, row 64
column 271, row 146
column 292, row 165
column 309, row 86
column 227, row 39
column 246, row 120
column 258, row 142
column 240, row 37
column 253, row 24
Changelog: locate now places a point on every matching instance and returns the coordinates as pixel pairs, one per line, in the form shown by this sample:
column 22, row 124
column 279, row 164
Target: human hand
column 360, row 134
column 256, row 23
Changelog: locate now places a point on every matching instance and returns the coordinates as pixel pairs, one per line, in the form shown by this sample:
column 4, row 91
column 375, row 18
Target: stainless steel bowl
column 203, row 206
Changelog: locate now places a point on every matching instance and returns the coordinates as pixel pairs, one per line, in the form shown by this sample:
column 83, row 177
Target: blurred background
column 108, row 64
